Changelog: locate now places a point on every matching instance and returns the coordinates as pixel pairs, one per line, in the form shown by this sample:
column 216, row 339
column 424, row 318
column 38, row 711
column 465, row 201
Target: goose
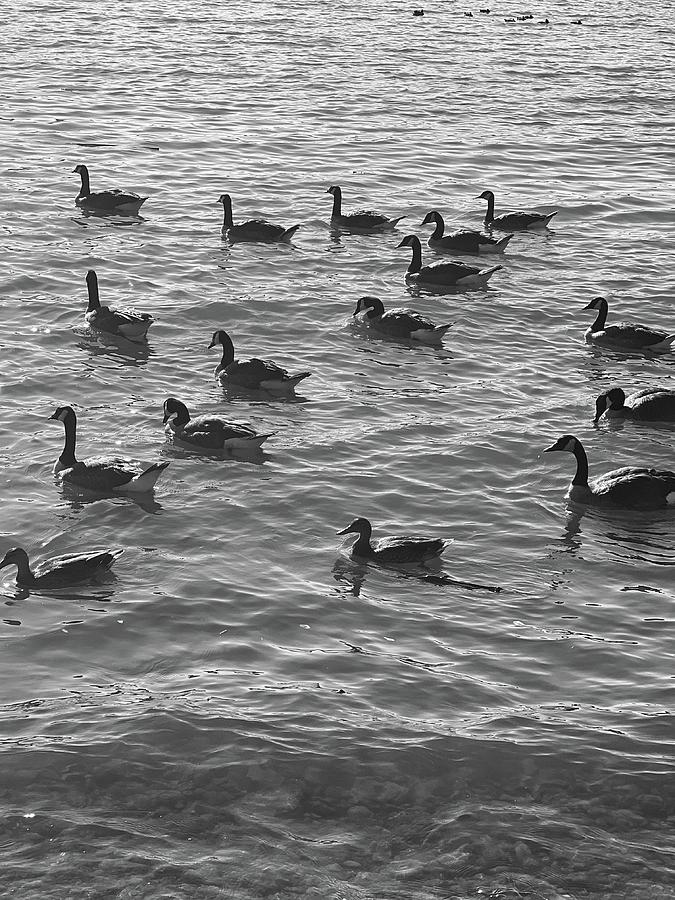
column 400, row 323
column 111, row 202
column 638, row 488
column 517, row 221
column 462, row 241
column 124, row 323
column 208, row 432
column 254, row 229
column 625, row 335
column 450, row 273
column 364, row 221
column 102, row 473
column 61, row 570
column 649, row 405
column 392, row 550
column 255, row 374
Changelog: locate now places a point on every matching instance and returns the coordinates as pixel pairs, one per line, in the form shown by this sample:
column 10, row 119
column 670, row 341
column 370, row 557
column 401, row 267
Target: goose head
column 359, row 526
column 63, row 414
column 366, row 303
column 16, row 556
column 486, row 195
column 173, row 407
column 81, row 169
column 410, row 240
column 597, row 303
column 220, row 338
column 567, row 442
column 431, row 218
column 614, row 398
column 334, row 189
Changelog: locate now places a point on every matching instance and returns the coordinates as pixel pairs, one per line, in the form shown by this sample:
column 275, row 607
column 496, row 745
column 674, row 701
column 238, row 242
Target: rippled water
column 242, row 710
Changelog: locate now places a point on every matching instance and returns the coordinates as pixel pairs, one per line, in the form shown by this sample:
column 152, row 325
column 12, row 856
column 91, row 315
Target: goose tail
column 486, row 273
column 662, row 346
column 146, row 480
column 440, row 330
column 296, row 378
column 288, row 234
column 502, row 244
column 394, row 222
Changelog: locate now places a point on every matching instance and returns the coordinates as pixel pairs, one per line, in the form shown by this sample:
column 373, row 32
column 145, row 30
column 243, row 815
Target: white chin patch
column 570, row 445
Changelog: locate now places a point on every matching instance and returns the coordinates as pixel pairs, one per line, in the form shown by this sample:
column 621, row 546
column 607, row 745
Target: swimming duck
column 254, row 374
column 625, row 335
column 254, row 229
column 462, row 241
column 102, row 473
column 111, row 202
column 125, row 323
column 400, row 323
column 365, row 221
column 649, row 405
column 450, row 273
column 61, row 570
column 393, row 550
column 517, row 221
column 631, row 486
column 209, row 432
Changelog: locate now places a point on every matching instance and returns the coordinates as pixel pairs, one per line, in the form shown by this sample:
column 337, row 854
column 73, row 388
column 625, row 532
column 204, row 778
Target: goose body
column 462, row 241
column 106, row 202
column 124, row 323
column 209, row 432
column 254, row 229
column 393, row 550
column 254, row 374
column 631, row 486
column 405, row 324
column 648, row 405
column 104, row 474
column 60, row 570
column 365, row 221
column 625, row 335
column 449, row 274
column 516, row 221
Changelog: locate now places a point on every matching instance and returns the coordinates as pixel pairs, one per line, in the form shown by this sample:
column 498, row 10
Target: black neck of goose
column 85, row 189
column 601, row 318
column 375, row 308
column 182, row 415
column 228, row 350
column 581, row 474
column 362, row 546
column 490, row 212
column 24, row 574
column 416, row 261
column 92, row 290
column 337, row 204
column 67, row 457
column 228, row 221
column 440, row 227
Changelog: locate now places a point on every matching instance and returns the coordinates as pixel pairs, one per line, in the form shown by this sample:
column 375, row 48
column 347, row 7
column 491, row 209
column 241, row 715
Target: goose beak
column 402, row 244
column 165, row 419
column 552, row 447
column 53, row 416
column 212, row 344
column 345, row 530
column 590, row 305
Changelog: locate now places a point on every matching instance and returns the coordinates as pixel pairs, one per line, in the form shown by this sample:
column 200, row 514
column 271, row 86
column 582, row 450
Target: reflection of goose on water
column 649, row 405
column 60, row 570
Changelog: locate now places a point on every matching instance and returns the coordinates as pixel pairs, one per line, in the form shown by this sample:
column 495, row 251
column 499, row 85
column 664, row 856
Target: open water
column 242, row 711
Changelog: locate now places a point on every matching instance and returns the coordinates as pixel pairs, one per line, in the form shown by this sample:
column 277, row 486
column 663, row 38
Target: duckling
column 365, row 221
column 61, row 570
column 400, row 323
column 124, row 323
column 625, row 335
column 393, row 550
column 209, row 432
column 462, row 241
column 254, row 229
column 649, row 405
column 450, row 273
column 634, row 487
column 106, row 202
column 103, row 473
column 254, row 374
column 517, row 221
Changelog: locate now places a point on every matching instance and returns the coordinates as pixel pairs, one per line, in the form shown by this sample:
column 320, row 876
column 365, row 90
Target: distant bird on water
column 625, row 336
column 516, row 221
column 649, row 405
column 443, row 274
column 110, row 202
column 399, row 323
column 463, row 240
column 59, row 571
column 124, row 323
column 393, row 550
column 254, row 229
column 364, row 221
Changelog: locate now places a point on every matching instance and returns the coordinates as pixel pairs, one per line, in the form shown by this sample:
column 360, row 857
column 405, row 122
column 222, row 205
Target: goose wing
column 128, row 323
column 214, row 433
column 407, row 548
column 72, row 566
column 636, row 487
column 257, row 230
column 252, row 372
column 631, row 335
column 111, row 199
column 447, row 273
column 653, row 403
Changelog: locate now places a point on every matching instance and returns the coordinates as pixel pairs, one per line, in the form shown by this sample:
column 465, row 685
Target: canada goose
column 450, row 273
column 209, row 432
column 60, row 570
column 649, row 405
column 399, row 323
column 392, row 550
column 125, row 323
column 103, row 473
column 625, row 335
column 255, row 374
column 365, row 221
column 637, row 488
column 462, row 241
column 111, row 202
column 517, row 221
column 254, row 229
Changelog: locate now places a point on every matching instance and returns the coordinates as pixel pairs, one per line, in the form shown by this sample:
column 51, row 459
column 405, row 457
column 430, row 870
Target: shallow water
column 242, row 710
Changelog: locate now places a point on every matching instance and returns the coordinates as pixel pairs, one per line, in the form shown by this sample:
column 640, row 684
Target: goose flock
column 628, row 487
